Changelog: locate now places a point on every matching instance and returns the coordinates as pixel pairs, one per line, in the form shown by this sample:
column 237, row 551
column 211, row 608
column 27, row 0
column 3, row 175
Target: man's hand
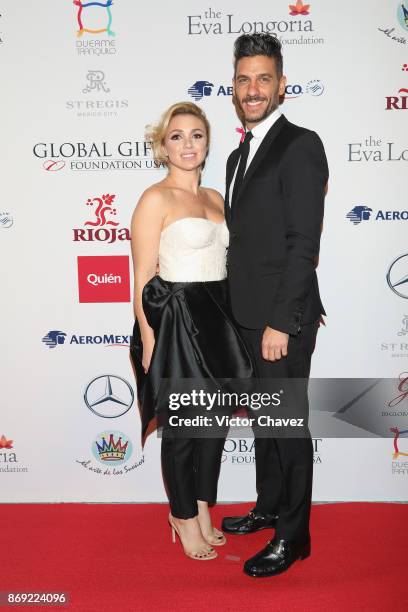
column 274, row 344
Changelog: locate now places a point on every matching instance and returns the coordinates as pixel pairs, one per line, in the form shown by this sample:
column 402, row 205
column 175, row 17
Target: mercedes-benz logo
column 109, row 396
column 397, row 277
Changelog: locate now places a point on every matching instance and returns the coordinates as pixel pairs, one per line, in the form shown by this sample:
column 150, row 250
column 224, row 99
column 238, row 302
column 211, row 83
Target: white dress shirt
column 259, row 132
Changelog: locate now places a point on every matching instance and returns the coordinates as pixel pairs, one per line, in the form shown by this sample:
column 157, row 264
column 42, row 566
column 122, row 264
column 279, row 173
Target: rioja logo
column 101, row 227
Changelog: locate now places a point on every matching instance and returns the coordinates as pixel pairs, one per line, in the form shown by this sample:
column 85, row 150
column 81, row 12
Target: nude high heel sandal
column 197, row 556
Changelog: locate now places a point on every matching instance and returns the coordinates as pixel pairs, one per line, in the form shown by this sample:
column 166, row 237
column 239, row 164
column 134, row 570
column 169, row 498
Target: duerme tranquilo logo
column 94, row 28
column 397, row 276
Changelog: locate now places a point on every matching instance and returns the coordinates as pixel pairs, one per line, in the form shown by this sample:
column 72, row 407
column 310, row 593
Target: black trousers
column 284, row 466
column 191, row 467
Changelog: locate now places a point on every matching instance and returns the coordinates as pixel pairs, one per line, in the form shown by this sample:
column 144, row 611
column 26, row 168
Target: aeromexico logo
column 56, row 337
column 101, row 224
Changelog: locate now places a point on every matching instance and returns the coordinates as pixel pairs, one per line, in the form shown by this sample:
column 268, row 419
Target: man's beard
column 263, row 115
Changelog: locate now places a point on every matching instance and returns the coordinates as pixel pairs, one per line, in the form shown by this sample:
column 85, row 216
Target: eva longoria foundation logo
column 295, row 28
column 373, row 149
column 8, row 457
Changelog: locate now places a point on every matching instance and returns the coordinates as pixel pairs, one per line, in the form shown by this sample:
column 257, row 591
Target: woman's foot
column 211, row 534
column 191, row 538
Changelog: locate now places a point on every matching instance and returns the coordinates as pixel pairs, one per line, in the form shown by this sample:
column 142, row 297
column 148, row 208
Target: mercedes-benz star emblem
column 109, row 396
column 397, row 276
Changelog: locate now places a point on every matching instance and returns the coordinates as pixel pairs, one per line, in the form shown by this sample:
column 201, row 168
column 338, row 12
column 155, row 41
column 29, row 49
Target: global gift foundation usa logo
column 8, row 456
column 84, row 156
column 55, row 338
column 102, row 225
column 94, row 13
column 112, row 451
column 399, row 35
column 103, row 279
column 397, row 276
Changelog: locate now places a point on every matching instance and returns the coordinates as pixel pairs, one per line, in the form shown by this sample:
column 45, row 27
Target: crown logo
column 112, row 451
column 405, row 13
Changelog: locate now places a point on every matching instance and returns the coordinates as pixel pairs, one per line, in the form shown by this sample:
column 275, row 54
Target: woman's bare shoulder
column 215, row 197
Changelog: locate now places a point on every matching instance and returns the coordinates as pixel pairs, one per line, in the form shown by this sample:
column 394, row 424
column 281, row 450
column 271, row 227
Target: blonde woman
column 183, row 325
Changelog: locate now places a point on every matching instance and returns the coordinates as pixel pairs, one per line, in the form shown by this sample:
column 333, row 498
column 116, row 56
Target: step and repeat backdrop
column 79, row 82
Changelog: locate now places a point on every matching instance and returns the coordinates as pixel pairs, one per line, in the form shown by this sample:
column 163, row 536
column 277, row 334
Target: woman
column 183, row 327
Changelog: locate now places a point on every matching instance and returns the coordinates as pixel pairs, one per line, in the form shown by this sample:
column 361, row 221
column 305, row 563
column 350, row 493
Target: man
column 275, row 189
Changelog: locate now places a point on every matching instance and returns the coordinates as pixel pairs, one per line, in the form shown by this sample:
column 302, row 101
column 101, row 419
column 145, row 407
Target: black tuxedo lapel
column 231, row 165
column 261, row 152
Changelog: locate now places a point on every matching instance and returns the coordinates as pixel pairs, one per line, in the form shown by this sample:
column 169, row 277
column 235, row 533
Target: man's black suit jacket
column 275, row 225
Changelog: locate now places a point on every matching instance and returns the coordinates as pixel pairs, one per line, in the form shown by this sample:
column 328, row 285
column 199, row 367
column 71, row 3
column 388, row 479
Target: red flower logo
column 299, row 8
column 4, row 443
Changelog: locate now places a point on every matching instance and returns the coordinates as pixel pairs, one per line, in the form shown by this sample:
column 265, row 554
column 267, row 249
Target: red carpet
column 120, row 558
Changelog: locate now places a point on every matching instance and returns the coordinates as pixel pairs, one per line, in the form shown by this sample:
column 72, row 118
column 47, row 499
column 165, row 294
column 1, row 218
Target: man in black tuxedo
column 275, row 190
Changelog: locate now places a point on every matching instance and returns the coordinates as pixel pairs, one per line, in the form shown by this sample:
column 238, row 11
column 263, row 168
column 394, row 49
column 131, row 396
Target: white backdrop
column 73, row 112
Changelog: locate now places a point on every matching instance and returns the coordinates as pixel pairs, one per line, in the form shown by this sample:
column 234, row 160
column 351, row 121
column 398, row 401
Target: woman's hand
column 148, row 347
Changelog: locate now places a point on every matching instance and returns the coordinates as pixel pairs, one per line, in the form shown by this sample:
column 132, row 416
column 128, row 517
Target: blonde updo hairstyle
column 156, row 133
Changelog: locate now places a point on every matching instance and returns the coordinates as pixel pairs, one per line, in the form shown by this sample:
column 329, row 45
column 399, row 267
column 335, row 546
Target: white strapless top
column 193, row 249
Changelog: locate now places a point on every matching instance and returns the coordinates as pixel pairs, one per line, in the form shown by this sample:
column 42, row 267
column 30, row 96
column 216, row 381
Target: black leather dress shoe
column 276, row 557
column 253, row 521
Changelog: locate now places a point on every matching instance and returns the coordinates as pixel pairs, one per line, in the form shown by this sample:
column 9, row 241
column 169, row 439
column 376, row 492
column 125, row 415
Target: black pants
column 284, row 466
column 191, row 468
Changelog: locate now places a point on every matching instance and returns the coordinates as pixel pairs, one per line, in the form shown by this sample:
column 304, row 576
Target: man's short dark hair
column 249, row 45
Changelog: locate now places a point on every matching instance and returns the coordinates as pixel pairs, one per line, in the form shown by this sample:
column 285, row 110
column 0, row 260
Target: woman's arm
column 146, row 226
